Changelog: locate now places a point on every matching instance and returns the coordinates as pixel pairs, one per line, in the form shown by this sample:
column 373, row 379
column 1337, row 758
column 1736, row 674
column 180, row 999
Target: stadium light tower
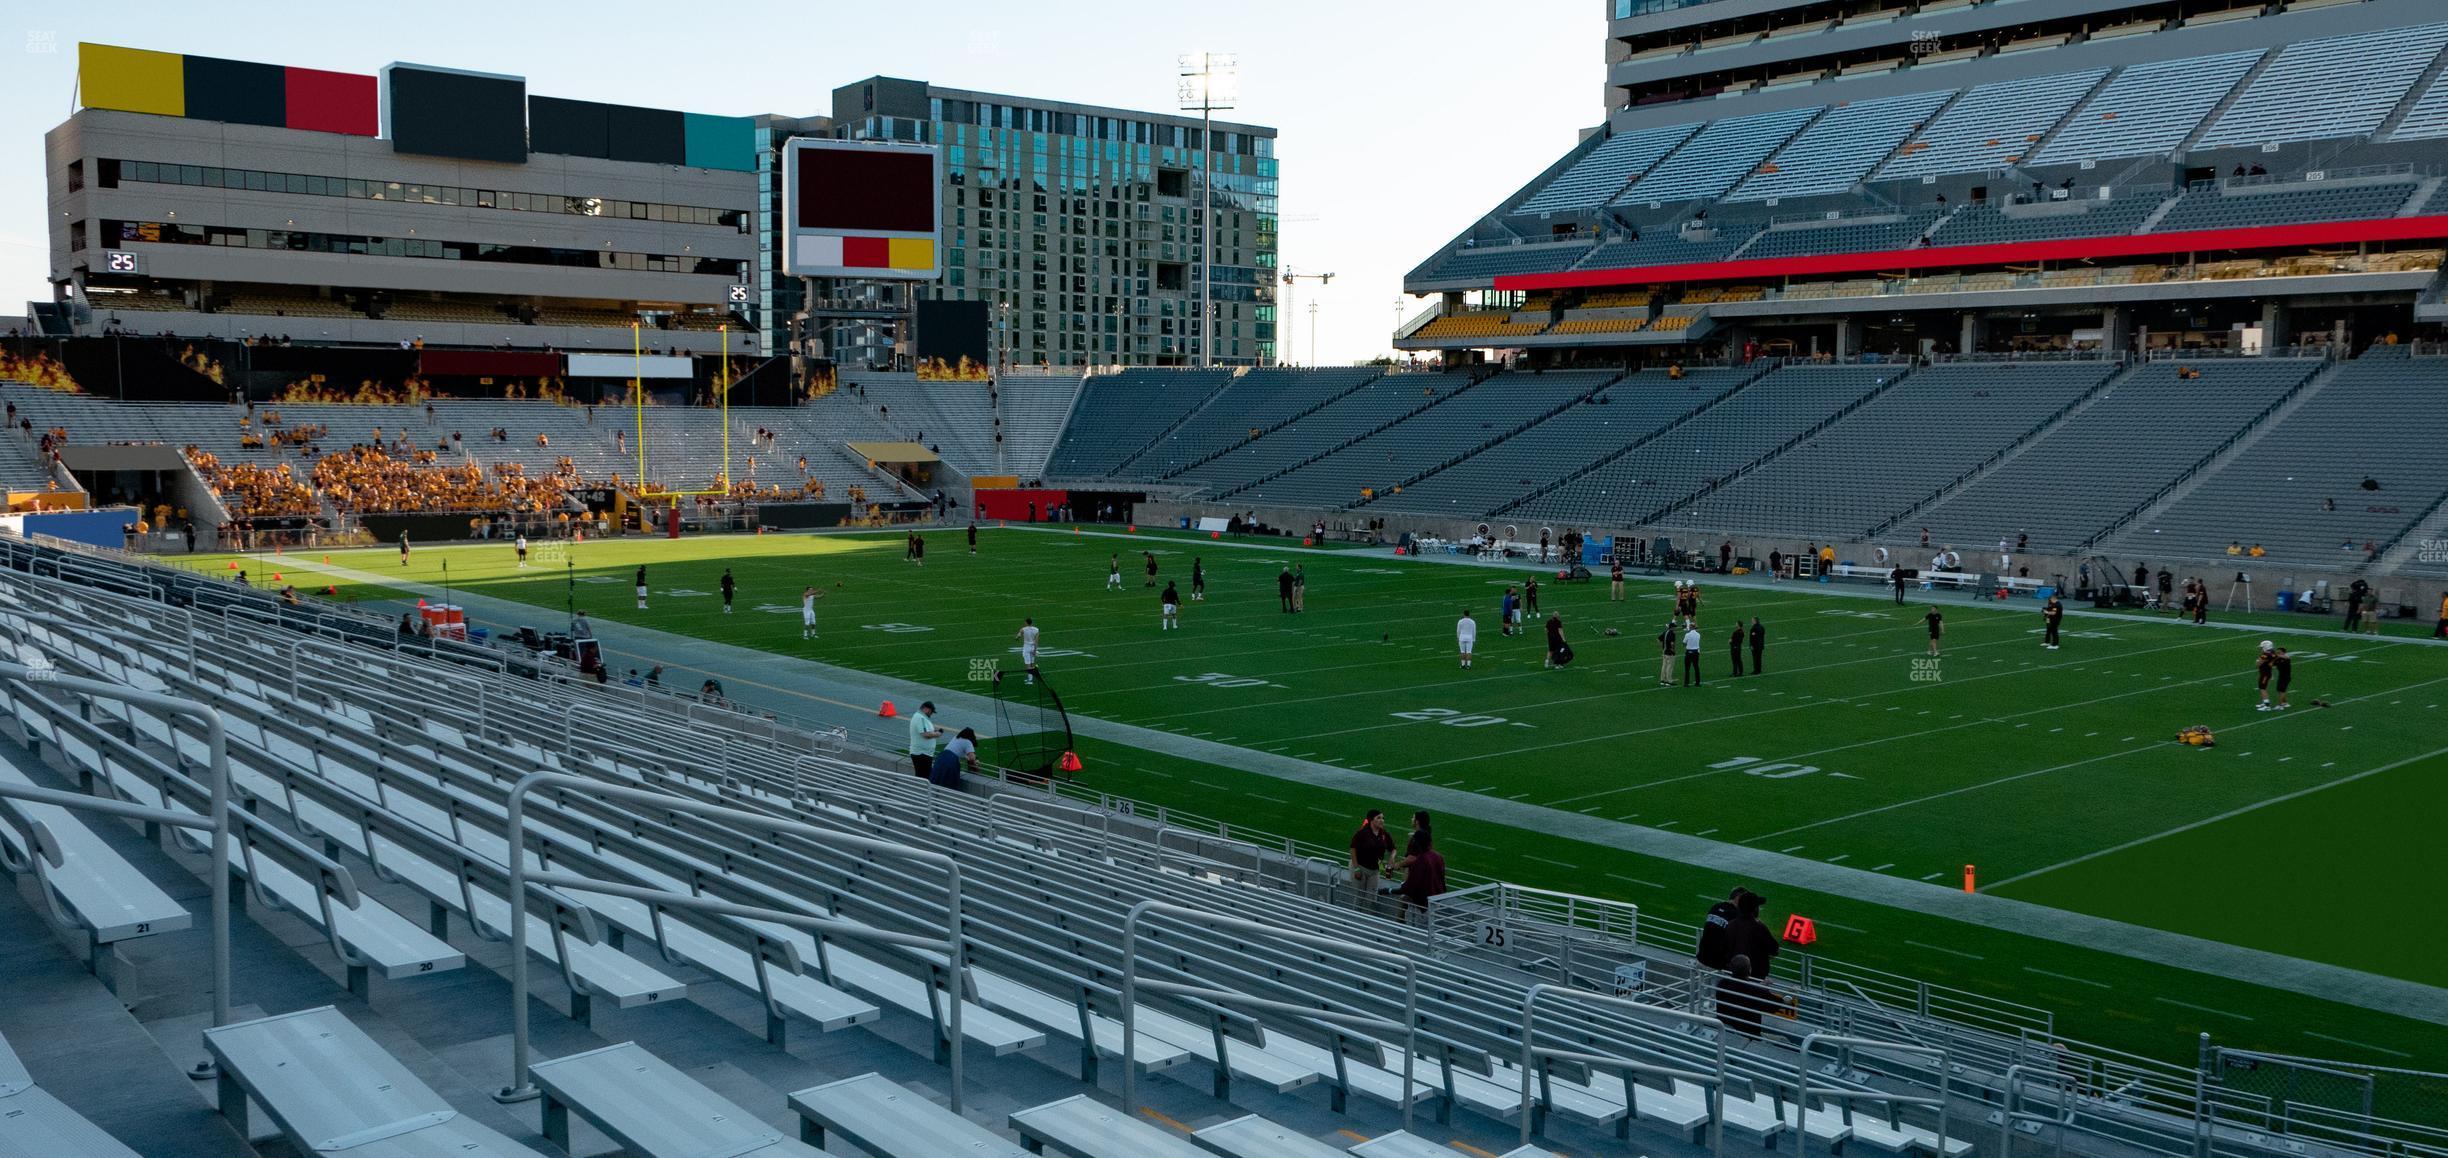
column 1207, row 81
column 1283, row 345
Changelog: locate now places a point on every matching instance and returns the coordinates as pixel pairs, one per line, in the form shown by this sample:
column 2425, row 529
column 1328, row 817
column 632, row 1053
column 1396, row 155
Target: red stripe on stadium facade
column 2005, row 253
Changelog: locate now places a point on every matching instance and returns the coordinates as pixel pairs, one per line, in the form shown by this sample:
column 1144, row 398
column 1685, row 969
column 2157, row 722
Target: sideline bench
column 328, row 1086
column 650, row 1108
column 880, row 1117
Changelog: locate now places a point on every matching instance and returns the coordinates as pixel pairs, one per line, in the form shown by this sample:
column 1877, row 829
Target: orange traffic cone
column 1070, row 762
column 276, row 576
column 1215, row 534
column 233, row 565
column 327, row 560
column 887, row 711
column 1133, row 529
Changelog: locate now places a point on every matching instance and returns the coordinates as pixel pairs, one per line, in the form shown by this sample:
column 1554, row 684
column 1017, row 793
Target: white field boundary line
column 2230, row 814
column 2009, row 779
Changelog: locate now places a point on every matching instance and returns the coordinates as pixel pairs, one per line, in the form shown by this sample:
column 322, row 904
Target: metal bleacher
column 1989, row 222
column 1680, row 460
column 1458, row 424
column 1909, row 441
column 1119, row 414
column 2149, row 108
column 1716, row 157
column 1378, row 403
column 1259, row 400
column 1840, row 148
column 2241, row 206
column 1992, row 125
column 1627, row 411
column 1084, row 924
column 1876, row 232
column 2067, row 485
column 2299, row 492
column 2298, row 96
column 1598, row 176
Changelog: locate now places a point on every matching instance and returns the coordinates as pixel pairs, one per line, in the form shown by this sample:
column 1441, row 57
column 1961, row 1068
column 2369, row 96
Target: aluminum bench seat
column 1251, row 1136
column 650, row 1108
column 33, row 1124
column 885, row 1119
column 1060, row 1018
column 1083, row 1127
column 328, row 1087
column 795, row 994
column 1890, row 1137
column 1402, row 1145
column 93, row 887
column 604, row 970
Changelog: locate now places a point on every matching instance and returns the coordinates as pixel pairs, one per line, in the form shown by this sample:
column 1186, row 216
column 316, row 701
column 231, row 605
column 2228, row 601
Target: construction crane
column 1291, row 278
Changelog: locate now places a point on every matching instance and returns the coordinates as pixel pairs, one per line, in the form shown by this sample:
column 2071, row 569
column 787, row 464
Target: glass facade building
column 1078, row 227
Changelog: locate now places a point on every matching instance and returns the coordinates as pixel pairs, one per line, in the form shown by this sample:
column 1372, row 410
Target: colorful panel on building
column 237, row 92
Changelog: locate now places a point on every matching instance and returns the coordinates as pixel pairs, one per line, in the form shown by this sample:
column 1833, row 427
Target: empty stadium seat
column 2298, row 97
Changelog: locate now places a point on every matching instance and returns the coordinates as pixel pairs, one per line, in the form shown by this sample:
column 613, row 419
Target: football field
column 2303, row 833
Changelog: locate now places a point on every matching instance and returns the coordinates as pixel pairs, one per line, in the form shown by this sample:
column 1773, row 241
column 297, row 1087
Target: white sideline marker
column 2065, row 977
column 2202, row 1008
column 1941, row 949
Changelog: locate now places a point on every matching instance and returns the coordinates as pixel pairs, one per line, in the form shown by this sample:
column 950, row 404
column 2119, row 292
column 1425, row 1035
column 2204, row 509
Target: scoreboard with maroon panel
column 862, row 209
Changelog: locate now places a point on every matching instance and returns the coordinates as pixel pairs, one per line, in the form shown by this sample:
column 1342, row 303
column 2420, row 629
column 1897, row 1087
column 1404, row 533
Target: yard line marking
column 1153, row 772
column 1632, row 816
column 1327, row 811
column 1666, row 823
column 1268, row 799
column 1302, row 755
column 2357, row 1044
column 1544, row 860
column 2229, row 814
column 1455, row 784
column 1884, row 867
column 1518, row 796
column 1933, row 876
column 1636, row 880
column 2202, row 1008
column 2066, row 977
column 1469, row 844
column 1942, row 949
column 1217, row 787
column 1838, row 857
column 1796, row 848
column 1591, row 809
column 1704, row 832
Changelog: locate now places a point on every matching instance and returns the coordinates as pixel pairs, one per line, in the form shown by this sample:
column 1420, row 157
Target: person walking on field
column 1559, row 653
column 1171, row 601
column 807, row 611
column 1283, row 589
column 522, row 551
column 730, row 587
column 1198, row 581
column 403, row 548
column 973, row 536
column 2051, row 614
column 1734, row 645
column 1300, row 587
column 1759, row 645
column 1113, row 572
column 1691, row 655
column 1615, row 581
column 1466, row 636
column 1027, row 636
column 641, row 586
column 1937, row 628
column 1668, row 643
column 1151, row 568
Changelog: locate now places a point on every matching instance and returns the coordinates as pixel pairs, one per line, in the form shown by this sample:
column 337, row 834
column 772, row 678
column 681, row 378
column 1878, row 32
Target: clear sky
column 1400, row 123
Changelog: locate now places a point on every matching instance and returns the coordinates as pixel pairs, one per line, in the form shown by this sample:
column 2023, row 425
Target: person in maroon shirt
column 1370, row 846
column 1423, row 870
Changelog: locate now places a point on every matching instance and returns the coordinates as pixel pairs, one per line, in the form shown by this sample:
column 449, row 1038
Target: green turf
column 2055, row 772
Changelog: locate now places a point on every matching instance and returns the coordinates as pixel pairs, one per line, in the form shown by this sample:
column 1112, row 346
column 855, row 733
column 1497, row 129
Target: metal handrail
column 1132, row 983
column 1803, row 1089
column 954, row 944
column 217, row 819
column 1714, row 1082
